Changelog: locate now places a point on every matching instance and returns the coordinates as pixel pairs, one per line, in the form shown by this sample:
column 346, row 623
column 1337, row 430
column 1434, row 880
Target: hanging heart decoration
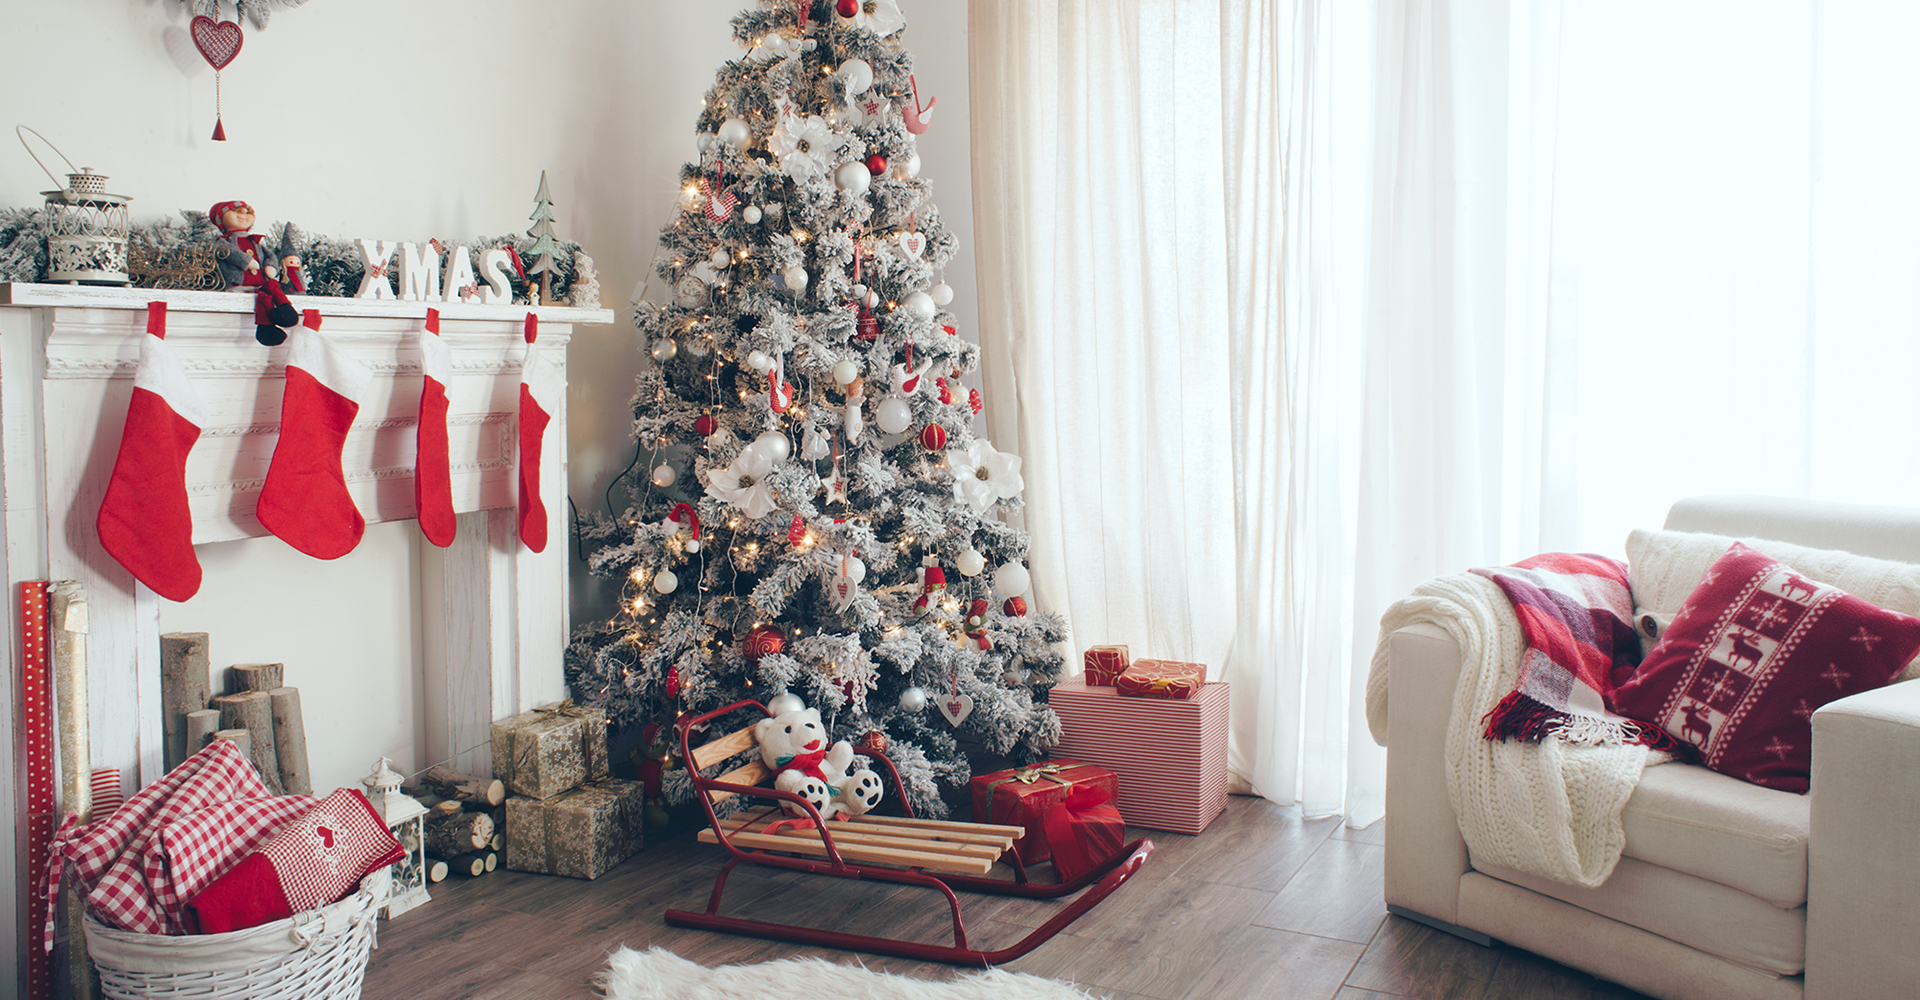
column 218, row 41
column 913, row 244
column 956, row 707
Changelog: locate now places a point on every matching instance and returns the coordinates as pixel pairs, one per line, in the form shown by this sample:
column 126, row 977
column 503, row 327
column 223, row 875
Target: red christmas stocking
column 144, row 521
column 432, row 468
column 305, row 501
column 541, row 392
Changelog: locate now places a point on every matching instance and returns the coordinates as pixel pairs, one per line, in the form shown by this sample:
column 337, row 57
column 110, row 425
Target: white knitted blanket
column 1547, row 808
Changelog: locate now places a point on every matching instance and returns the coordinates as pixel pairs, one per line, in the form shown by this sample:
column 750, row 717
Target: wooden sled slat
column 859, row 833
column 814, row 847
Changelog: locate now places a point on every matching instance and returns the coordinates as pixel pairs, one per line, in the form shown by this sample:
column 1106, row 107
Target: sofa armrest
column 1425, row 853
column 1862, row 876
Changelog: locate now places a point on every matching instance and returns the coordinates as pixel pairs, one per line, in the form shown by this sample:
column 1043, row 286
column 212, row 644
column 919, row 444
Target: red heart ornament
column 218, row 41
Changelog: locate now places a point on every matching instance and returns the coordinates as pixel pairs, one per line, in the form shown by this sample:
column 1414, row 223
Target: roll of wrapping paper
column 35, row 727
column 67, row 631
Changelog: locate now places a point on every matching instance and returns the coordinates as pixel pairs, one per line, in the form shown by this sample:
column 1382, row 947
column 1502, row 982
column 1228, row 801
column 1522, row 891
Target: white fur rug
column 658, row 974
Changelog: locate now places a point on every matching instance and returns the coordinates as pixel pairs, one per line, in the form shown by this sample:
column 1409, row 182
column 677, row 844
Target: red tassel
column 219, row 130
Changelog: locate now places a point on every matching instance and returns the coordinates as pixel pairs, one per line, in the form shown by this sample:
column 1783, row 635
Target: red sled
column 938, row 855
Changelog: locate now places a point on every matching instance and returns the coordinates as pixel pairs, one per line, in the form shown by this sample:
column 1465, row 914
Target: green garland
column 333, row 267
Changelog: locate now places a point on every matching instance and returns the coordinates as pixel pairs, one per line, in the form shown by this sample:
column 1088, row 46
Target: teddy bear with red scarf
column 246, row 261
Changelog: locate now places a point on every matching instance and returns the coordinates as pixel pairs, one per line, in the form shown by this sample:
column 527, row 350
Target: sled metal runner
column 938, row 855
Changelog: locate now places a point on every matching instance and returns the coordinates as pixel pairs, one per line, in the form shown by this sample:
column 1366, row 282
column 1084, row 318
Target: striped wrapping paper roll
column 107, row 792
column 1170, row 754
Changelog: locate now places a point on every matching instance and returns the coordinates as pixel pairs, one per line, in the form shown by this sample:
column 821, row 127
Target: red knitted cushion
column 312, row 861
column 1756, row 648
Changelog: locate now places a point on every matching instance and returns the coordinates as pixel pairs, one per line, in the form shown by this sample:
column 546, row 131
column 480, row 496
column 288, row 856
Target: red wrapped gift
column 1161, row 679
column 1022, row 796
column 1083, row 831
column 1104, row 663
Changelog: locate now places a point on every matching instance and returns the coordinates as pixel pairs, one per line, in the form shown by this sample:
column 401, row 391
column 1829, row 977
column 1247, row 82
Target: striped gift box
column 1170, row 754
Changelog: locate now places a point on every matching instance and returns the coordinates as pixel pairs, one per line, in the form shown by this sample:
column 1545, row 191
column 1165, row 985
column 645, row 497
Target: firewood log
column 290, row 740
column 253, row 711
column 201, row 726
column 184, row 688
column 256, row 677
column 436, row 870
column 446, row 807
column 463, row 833
column 451, row 784
column 468, row 865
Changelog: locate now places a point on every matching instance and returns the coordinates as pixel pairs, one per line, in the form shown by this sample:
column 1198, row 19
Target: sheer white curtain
column 1291, row 305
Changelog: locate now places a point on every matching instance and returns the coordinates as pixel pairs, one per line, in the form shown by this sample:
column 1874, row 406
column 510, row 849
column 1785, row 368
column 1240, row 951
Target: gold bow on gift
column 1029, row 775
column 566, row 708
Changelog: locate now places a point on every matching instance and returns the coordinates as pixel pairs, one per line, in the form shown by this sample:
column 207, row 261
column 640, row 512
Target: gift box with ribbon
column 549, row 750
column 1024, row 796
column 1170, row 754
column 1083, row 831
column 1161, row 679
column 579, row 833
column 1104, row 663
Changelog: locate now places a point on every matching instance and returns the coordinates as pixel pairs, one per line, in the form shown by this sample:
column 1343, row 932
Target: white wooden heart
column 956, row 707
column 912, row 244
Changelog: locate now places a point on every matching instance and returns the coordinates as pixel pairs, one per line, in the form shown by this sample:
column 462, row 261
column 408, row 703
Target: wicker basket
column 317, row 955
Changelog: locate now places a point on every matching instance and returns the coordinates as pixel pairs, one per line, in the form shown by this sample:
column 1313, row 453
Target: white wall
column 409, row 120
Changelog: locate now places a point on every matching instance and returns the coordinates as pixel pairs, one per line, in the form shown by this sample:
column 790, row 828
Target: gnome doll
column 245, row 260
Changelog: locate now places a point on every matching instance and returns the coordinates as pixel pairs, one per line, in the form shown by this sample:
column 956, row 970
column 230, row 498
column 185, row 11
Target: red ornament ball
column 873, row 744
column 876, row 164
column 933, row 437
column 704, row 425
column 673, row 682
column 765, row 640
column 847, row 8
column 1015, row 607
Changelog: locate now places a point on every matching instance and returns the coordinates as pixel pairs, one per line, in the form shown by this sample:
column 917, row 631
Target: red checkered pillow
column 1755, row 649
column 313, row 861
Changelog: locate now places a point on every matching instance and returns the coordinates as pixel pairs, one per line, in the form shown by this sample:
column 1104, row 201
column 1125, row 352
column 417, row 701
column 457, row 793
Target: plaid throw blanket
column 1577, row 614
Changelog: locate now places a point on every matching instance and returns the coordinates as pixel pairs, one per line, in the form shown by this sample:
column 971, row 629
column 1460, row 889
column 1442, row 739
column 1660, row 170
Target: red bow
column 1084, row 831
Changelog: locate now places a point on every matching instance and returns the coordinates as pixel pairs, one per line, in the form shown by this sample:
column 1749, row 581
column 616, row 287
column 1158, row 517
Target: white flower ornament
column 882, row 17
column 804, row 146
column 982, row 475
column 744, row 483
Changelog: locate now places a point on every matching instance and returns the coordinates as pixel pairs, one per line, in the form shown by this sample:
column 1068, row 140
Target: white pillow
column 1665, row 566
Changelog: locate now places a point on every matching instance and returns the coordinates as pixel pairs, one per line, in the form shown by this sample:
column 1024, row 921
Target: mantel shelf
column 178, row 300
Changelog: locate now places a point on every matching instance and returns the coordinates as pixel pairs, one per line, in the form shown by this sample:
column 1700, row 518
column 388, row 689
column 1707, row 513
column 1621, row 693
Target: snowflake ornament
column 804, row 146
column 744, row 484
column 982, row 475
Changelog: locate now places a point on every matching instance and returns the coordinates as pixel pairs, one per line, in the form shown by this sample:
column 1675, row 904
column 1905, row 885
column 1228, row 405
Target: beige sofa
column 1725, row 889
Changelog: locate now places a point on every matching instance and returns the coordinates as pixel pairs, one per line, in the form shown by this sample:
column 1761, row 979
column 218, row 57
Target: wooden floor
column 1262, row 905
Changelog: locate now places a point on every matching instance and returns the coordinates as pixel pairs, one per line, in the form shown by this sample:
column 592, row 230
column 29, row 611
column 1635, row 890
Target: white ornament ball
column 734, row 132
column 873, row 299
column 893, row 415
column 703, row 140
column 853, row 177
column 1012, row 580
column 775, row 444
column 913, row 165
column 664, row 475
column 720, row 260
column 914, row 699
column 665, row 582
column 758, row 361
column 785, row 702
column 700, row 346
column 858, row 74
column 921, row 304
column 664, row 350
column 796, row 277
column 690, row 293
column 859, row 289
column 846, row 371
column 751, row 213
column 856, row 570
column 941, row 294
column 970, row 562
column 757, row 463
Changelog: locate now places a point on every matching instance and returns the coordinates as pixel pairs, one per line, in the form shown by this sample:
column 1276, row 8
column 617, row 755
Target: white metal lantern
column 87, row 228
column 407, row 818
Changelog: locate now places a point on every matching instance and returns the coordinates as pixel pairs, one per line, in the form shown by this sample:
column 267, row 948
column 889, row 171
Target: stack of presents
column 1143, row 744
column 565, row 812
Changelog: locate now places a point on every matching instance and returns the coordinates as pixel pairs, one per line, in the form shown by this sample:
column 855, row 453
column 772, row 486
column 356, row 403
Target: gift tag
column 956, row 707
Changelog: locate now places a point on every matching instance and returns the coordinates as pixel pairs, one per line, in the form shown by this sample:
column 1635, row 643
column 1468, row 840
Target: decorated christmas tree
column 815, row 515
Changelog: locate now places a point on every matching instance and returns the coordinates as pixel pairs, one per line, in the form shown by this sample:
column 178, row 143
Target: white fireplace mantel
column 494, row 619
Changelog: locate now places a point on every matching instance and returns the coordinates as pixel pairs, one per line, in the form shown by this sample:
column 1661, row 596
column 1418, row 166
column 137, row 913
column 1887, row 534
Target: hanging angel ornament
column 813, row 445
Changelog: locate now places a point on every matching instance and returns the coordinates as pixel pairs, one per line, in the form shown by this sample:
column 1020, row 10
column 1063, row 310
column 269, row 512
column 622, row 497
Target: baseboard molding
column 1440, row 925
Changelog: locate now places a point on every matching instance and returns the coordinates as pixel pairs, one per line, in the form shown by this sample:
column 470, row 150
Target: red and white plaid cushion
column 314, row 860
column 106, row 855
column 191, row 852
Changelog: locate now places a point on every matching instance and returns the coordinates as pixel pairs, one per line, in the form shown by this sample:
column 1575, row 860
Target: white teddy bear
column 794, row 744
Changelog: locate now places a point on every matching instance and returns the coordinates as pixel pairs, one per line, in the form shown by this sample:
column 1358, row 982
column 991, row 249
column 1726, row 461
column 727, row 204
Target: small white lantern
column 87, row 228
column 407, row 819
